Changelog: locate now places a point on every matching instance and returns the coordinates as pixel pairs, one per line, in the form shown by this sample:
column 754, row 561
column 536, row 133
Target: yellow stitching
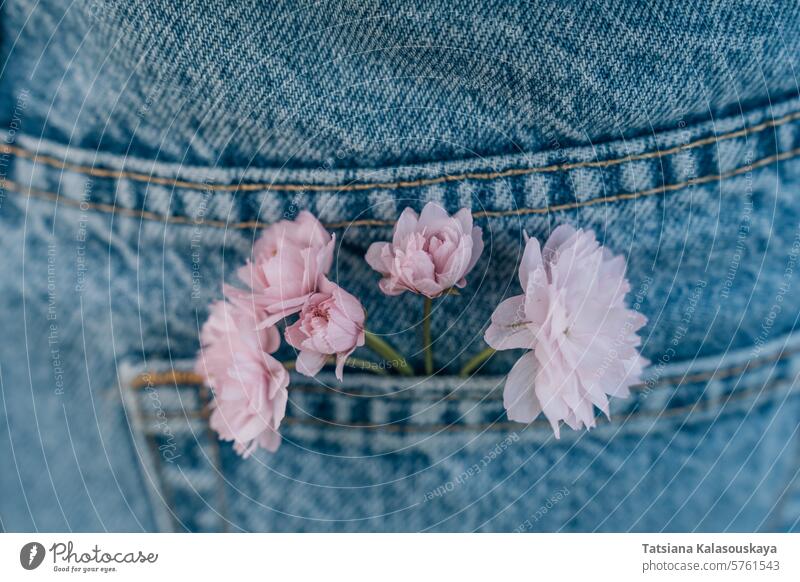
column 177, row 377
column 142, row 177
column 188, row 378
column 668, row 413
column 204, row 414
column 107, row 208
column 148, row 215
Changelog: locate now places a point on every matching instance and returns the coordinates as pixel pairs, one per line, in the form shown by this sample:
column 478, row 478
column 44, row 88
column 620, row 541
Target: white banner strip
column 400, row 557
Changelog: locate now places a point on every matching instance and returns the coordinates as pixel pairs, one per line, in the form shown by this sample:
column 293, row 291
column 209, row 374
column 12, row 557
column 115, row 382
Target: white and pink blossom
column 429, row 254
column 581, row 335
column 331, row 323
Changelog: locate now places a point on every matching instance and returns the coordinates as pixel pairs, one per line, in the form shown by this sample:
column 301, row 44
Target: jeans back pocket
column 708, row 444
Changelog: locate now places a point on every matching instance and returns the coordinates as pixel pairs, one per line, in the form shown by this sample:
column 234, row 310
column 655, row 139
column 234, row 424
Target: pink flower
column 331, row 322
column 429, row 254
column 287, row 262
column 573, row 317
column 249, row 384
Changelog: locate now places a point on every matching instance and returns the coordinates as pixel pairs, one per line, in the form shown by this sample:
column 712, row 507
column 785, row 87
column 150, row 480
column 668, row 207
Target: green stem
column 476, row 360
column 388, row 353
column 426, row 335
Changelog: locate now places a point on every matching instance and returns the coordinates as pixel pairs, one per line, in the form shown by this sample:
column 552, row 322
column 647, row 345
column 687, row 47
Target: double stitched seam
column 147, row 215
column 667, row 413
column 150, row 179
column 187, row 378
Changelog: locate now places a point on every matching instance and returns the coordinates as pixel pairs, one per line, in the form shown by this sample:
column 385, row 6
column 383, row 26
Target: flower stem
column 476, row 360
column 426, row 335
column 388, row 353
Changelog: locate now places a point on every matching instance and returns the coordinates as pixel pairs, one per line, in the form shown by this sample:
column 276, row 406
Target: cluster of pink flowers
column 286, row 275
column 572, row 318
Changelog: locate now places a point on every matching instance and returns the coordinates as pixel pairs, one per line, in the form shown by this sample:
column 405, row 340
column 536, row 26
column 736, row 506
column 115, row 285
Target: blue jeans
column 145, row 148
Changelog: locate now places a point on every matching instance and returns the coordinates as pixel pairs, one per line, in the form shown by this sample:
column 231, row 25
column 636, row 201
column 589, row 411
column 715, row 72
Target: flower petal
column 558, row 237
column 508, row 329
column 376, row 256
column 477, row 247
column 310, row 363
column 433, row 217
column 519, row 397
column 405, row 226
column 531, row 261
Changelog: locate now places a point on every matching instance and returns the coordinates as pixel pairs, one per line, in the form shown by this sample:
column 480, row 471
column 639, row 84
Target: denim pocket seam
column 152, row 461
column 190, row 378
column 53, row 162
column 102, row 208
column 770, row 389
column 767, row 389
column 743, row 395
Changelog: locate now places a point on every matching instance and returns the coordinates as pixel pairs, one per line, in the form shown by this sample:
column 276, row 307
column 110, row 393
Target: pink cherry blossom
column 249, row 384
column 331, row 323
column 286, row 265
column 572, row 316
column 429, row 253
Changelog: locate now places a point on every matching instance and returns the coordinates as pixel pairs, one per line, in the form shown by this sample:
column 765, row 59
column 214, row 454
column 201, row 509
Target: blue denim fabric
column 373, row 84
column 147, row 147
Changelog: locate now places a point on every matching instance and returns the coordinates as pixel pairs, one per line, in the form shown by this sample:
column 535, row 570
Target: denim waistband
column 358, row 84
column 501, row 187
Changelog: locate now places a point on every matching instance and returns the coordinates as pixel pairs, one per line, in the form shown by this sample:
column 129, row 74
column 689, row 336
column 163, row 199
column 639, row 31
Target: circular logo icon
column 31, row 555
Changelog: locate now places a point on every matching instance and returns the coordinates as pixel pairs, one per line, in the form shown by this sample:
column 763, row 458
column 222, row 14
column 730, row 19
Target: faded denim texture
column 146, row 145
